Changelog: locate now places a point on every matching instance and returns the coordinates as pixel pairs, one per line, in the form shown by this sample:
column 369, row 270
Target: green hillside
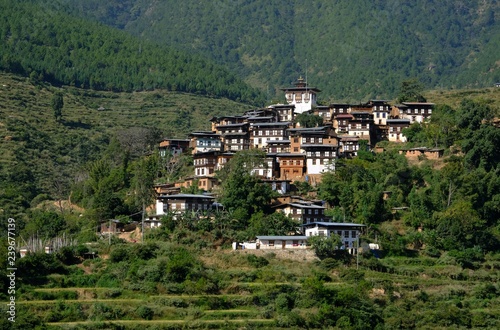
column 40, row 41
column 43, row 156
column 352, row 50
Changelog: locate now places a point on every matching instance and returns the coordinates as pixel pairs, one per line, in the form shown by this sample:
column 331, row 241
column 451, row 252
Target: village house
column 223, row 159
column 396, row 127
column 262, row 133
column 415, row 111
column 322, row 135
column 341, row 123
column 339, row 109
column 281, row 242
column 205, row 163
column 303, row 211
column 234, row 137
column 278, row 146
column 183, row 203
column 324, row 112
column 205, row 141
column 320, row 158
column 173, row 146
column 381, row 111
column 292, row 165
column 361, row 125
column 282, row 187
column 348, row 146
column 268, row 169
column 349, row 232
column 416, row 153
column 226, row 120
column 286, row 112
column 205, row 183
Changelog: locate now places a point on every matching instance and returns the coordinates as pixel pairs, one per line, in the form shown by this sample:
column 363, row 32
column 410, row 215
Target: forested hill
column 354, row 50
column 40, row 40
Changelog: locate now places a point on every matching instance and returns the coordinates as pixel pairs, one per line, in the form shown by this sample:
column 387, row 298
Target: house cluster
column 293, row 152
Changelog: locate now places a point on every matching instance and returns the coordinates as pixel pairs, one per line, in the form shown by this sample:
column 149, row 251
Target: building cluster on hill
column 294, row 152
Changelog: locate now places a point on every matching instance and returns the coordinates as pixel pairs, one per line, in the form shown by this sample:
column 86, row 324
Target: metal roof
column 282, row 238
column 333, row 224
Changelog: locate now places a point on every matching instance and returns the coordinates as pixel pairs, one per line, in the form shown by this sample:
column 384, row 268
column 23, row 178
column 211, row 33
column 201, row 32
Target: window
column 353, row 234
column 314, row 161
column 299, row 211
column 321, row 232
column 346, row 233
column 320, row 140
column 316, row 211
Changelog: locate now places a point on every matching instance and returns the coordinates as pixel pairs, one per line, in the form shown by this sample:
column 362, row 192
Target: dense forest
column 46, row 44
column 352, row 50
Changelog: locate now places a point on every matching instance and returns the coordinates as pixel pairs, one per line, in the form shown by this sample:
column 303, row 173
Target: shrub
column 257, row 261
column 352, row 275
column 283, row 302
column 118, row 254
column 145, row 312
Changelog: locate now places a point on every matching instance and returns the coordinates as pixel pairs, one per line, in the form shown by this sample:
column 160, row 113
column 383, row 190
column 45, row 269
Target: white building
column 301, row 96
column 281, row 242
column 348, row 232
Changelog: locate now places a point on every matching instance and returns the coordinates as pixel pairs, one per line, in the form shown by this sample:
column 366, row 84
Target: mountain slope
column 351, row 49
column 40, row 40
column 43, row 156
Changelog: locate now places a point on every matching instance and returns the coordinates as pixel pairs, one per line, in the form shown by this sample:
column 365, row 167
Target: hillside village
column 294, row 152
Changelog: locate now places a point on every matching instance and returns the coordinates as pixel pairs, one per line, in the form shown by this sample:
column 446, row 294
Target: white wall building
column 301, row 96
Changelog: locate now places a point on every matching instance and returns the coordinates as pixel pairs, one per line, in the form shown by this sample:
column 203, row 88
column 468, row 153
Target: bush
column 256, row 261
column 352, row 275
column 283, row 302
column 145, row 312
column 118, row 254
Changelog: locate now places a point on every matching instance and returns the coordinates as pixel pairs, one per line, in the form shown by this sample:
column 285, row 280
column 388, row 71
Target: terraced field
column 403, row 292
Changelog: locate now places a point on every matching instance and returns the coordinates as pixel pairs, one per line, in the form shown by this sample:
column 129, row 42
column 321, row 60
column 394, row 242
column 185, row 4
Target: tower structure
column 301, row 96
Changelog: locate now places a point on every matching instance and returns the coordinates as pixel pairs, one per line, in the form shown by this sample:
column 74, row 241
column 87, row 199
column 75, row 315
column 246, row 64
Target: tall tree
column 411, row 91
column 241, row 190
column 57, row 104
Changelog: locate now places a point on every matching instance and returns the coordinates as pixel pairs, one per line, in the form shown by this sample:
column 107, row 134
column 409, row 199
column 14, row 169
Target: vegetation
column 352, row 50
column 90, row 55
column 91, row 151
